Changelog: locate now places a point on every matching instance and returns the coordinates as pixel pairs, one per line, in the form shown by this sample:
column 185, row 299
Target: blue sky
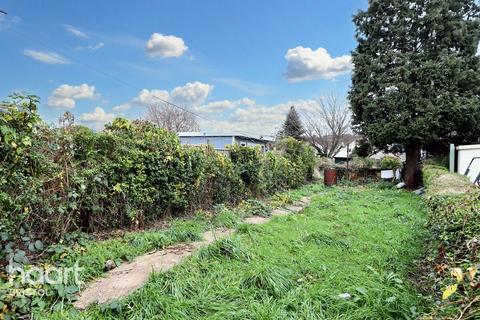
column 240, row 64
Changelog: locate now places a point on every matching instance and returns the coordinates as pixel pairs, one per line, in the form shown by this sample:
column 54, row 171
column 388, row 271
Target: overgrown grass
column 347, row 256
column 94, row 256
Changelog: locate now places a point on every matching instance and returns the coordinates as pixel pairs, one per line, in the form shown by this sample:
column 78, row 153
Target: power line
column 118, row 79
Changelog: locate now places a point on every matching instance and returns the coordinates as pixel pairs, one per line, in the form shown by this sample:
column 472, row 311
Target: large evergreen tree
column 292, row 127
column 416, row 79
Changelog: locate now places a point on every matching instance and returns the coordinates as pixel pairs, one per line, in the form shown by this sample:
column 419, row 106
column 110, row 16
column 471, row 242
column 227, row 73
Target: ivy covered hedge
column 58, row 180
column 454, row 224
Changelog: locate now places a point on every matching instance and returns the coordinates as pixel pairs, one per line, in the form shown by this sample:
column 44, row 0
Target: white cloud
column 76, row 32
column 122, row 107
column 254, row 118
column 91, row 47
column 65, row 96
column 46, row 57
column 148, row 97
column 165, row 46
column 191, row 94
column 224, row 105
column 97, row 116
column 307, row 64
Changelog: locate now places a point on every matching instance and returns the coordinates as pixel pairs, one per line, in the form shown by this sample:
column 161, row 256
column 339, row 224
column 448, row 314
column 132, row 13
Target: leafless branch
column 328, row 125
column 171, row 118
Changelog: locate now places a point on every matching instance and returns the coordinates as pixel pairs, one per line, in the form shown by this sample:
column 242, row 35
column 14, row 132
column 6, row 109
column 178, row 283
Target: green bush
column 359, row 163
column 390, row 162
column 59, row 180
column 247, row 162
column 301, row 156
column 438, row 160
column 453, row 219
column 325, row 163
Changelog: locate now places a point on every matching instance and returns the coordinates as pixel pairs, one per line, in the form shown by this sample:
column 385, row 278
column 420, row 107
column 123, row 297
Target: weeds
column 254, row 207
column 323, row 239
column 230, row 248
column 263, row 278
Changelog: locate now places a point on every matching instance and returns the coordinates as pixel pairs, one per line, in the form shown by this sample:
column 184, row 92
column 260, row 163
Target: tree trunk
column 412, row 171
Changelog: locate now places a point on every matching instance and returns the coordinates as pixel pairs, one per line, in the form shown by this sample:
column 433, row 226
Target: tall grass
column 347, row 256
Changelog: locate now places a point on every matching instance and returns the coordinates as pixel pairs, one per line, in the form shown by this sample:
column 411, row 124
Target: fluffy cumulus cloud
column 97, row 116
column 224, row 105
column 269, row 118
column 191, row 94
column 46, row 57
column 165, row 46
column 65, row 96
column 252, row 117
column 307, row 64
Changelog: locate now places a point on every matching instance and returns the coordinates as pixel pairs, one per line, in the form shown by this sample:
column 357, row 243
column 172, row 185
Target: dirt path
column 128, row 277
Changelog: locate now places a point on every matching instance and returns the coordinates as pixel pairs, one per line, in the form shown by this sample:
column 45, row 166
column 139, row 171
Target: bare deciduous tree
column 328, row 125
column 171, row 118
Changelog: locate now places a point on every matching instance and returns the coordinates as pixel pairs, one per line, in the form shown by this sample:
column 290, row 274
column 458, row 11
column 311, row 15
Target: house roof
column 342, row 153
column 213, row 135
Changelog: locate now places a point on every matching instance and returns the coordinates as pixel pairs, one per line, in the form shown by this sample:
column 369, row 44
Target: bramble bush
column 453, row 220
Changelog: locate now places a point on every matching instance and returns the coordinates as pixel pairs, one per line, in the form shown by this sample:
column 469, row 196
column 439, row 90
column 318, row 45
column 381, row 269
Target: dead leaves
column 461, row 280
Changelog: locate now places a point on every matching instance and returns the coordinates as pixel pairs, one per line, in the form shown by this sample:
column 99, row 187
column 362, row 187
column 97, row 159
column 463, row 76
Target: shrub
column 55, row 181
column 247, row 161
column 438, row 161
column 453, row 216
column 390, row 162
column 361, row 168
column 359, row 163
column 325, row 163
column 59, row 180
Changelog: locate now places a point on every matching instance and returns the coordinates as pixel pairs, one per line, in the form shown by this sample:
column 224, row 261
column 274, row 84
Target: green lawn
column 349, row 255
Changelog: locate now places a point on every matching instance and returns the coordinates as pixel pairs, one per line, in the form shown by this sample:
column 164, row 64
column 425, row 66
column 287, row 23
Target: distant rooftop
column 230, row 134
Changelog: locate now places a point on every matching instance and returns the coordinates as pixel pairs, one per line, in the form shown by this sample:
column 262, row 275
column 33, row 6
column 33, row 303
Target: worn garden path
column 128, row 277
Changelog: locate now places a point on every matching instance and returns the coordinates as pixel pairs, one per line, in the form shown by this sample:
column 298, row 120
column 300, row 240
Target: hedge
column 56, row 180
column 454, row 224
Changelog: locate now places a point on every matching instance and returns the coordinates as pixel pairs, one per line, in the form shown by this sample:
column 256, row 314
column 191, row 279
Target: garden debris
column 400, row 185
column 344, row 296
column 419, row 191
